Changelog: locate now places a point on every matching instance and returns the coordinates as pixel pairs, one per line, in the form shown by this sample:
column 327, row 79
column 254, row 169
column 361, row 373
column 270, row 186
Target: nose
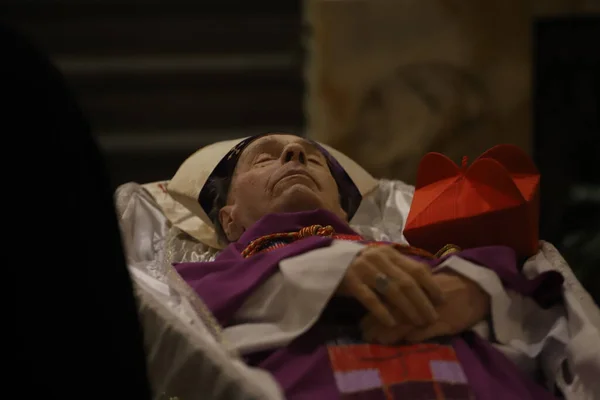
column 293, row 152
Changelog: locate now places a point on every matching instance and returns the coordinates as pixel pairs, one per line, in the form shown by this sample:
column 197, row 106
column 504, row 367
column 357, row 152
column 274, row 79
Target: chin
column 298, row 198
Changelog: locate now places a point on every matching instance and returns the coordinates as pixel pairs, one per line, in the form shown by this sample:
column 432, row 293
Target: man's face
column 278, row 173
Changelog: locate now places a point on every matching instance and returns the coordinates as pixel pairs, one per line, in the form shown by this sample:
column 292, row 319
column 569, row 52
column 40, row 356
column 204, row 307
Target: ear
column 232, row 229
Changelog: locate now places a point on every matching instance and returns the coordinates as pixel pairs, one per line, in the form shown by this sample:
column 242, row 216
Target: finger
column 377, row 264
column 393, row 335
column 407, row 295
column 371, row 322
column 439, row 328
column 411, row 300
column 370, row 327
column 368, row 322
column 370, row 301
column 422, row 274
column 387, row 336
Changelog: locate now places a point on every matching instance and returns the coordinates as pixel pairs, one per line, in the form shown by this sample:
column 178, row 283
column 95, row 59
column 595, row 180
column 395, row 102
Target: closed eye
column 315, row 160
column 263, row 158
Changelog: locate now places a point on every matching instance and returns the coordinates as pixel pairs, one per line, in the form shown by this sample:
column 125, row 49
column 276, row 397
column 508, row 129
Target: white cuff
column 291, row 301
column 516, row 320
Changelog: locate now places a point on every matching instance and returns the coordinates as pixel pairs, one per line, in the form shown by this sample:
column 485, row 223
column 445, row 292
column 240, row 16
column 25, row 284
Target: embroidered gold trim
column 447, row 249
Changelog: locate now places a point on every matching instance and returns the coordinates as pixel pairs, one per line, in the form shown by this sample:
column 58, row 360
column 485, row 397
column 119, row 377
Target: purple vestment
column 303, row 368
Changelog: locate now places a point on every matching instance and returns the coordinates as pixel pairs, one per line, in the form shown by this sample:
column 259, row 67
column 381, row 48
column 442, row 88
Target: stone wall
column 389, row 81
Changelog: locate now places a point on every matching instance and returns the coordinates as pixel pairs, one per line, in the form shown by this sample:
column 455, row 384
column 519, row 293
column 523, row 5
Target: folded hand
column 387, row 282
column 465, row 305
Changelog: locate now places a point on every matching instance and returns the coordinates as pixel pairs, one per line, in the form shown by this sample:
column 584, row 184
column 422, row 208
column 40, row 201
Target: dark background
column 567, row 139
column 204, row 71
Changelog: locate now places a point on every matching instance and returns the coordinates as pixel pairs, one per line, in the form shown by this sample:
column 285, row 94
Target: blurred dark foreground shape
column 76, row 327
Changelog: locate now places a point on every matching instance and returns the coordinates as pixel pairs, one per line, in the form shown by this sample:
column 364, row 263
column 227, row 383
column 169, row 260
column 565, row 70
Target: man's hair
column 219, row 188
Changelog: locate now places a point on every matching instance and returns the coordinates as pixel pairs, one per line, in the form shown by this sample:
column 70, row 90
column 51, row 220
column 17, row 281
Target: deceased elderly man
column 333, row 316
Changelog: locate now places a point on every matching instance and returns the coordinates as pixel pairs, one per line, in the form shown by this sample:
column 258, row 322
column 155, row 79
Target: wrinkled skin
column 278, row 173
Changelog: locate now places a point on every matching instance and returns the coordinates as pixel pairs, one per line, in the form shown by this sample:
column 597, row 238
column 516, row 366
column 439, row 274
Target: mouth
column 301, row 175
